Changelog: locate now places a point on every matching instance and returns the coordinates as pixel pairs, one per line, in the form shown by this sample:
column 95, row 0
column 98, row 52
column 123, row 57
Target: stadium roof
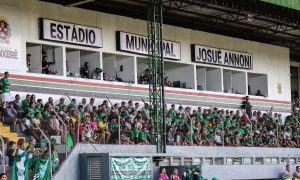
column 274, row 22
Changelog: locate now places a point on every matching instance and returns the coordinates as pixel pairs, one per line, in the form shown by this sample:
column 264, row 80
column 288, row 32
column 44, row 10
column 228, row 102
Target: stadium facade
column 208, row 69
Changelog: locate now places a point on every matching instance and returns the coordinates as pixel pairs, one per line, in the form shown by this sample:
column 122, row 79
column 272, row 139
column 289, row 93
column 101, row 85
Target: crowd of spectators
column 185, row 126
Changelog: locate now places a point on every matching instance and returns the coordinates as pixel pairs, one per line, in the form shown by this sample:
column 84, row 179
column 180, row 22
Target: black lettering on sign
column 218, row 54
column 129, row 42
column 92, row 37
column 172, row 50
column 226, row 62
column 167, row 50
column 67, row 31
column 60, row 34
column 242, row 60
column 81, row 35
column 209, row 58
column 137, row 43
column 52, row 30
column 144, row 44
column 74, row 34
column 199, row 55
column 204, row 55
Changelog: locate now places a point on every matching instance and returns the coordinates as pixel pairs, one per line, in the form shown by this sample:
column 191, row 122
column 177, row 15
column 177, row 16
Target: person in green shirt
column 72, row 104
column 61, row 103
column 173, row 111
column 113, row 128
column 130, row 106
column 200, row 114
column 25, row 102
column 143, row 136
column 5, row 84
column 197, row 173
column 187, row 174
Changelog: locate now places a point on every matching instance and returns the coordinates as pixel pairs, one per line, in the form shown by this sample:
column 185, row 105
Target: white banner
column 139, row 44
column 70, row 33
column 11, row 39
column 204, row 54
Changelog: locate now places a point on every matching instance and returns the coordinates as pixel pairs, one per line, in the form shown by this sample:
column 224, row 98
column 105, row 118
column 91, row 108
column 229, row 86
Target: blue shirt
column 9, row 111
column 17, row 105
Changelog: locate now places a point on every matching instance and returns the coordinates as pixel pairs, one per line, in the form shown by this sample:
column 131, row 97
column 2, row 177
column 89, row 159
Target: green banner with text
column 131, row 168
column 293, row 4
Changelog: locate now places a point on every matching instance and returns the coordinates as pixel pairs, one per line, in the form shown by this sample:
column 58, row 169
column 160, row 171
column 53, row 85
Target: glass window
column 259, row 160
column 208, row 161
column 165, row 162
column 237, row 161
column 219, row 161
column 275, row 160
column 176, row 161
column 247, row 161
column 188, row 161
column 198, row 161
column 268, row 160
column 284, row 160
column 293, row 161
column 229, row 161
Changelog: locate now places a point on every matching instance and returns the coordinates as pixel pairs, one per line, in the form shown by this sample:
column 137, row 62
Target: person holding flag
column 42, row 167
column 20, row 166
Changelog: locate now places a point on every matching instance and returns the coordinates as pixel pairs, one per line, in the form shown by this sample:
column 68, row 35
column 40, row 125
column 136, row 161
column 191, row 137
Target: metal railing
column 119, row 121
column 3, row 153
column 49, row 146
column 223, row 124
column 66, row 131
column 78, row 117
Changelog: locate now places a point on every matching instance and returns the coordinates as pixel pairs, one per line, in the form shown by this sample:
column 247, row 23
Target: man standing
column 286, row 174
column 28, row 62
column 187, row 175
column 197, row 174
column 296, row 174
column 5, row 89
column 248, row 107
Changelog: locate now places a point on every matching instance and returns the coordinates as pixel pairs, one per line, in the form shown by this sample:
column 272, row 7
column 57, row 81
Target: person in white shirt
column 83, row 103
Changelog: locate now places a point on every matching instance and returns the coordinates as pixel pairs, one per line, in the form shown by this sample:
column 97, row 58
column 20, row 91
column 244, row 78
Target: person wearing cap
column 5, row 87
column 197, row 173
column 187, row 174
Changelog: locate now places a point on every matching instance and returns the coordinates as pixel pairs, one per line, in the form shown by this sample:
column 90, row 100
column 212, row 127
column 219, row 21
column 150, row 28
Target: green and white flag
column 42, row 169
column 20, row 167
column 131, row 168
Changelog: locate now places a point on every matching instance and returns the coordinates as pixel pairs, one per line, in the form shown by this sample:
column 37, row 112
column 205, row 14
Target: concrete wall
column 269, row 59
column 69, row 169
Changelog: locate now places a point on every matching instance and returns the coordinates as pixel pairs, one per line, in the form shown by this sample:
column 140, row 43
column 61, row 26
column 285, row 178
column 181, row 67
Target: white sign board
column 139, row 44
column 11, row 40
column 205, row 54
column 70, row 33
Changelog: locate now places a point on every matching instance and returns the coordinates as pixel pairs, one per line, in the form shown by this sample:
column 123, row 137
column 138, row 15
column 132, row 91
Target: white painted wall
column 269, row 59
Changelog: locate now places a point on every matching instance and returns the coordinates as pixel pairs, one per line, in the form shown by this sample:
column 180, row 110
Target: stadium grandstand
column 149, row 89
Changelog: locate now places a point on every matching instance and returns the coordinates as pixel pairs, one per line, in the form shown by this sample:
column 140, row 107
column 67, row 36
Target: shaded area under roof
column 254, row 20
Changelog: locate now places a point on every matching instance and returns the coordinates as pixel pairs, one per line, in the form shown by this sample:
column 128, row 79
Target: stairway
column 6, row 133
